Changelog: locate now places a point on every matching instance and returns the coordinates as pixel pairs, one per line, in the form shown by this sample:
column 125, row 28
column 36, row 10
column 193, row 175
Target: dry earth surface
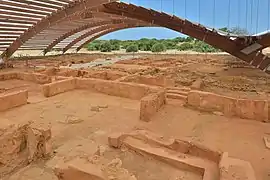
column 82, row 120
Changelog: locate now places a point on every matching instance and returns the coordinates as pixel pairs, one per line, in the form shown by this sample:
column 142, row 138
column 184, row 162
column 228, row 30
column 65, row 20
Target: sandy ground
column 77, row 129
column 241, row 138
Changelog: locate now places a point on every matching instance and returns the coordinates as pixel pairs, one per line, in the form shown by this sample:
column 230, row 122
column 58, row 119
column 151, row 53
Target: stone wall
column 99, row 74
column 59, row 87
column 243, row 108
column 8, row 76
column 13, row 99
column 34, row 77
column 22, row 144
column 121, row 89
column 151, row 104
column 150, row 80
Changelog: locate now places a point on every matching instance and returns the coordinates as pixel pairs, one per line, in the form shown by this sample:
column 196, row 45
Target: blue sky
column 253, row 15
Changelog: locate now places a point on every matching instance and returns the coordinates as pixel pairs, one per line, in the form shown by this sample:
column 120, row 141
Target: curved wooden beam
column 235, row 48
column 72, row 32
column 107, row 31
column 62, row 14
column 81, row 28
column 101, row 28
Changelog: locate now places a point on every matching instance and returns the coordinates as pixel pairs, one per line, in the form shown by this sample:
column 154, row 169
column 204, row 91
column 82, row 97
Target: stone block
column 58, row 87
column 229, row 106
column 13, row 99
column 114, row 140
column 211, row 101
column 260, row 110
column 151, row 104
column 194, row 99
column 80, row 170
column 245, row 108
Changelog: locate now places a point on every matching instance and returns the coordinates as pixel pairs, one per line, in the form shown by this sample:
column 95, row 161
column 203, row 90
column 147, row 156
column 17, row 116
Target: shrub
column 185, row 46
column 132, row 48
column 106, row 47
column 201, row 46
column 116, row 47
column 158, row 47
column 93, row 46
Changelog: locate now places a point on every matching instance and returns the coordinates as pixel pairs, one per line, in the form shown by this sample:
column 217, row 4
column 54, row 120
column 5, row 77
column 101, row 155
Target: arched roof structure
column 65, row 24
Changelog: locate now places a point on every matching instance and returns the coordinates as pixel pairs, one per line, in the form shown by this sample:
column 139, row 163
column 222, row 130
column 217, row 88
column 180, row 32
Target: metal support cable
column 251, row 12
column 173, row 7
column 268, row 23
column 185, row 9
column 257, row 22
column 246, row 14
column 199, row 9
column 239, row 10
column 229, row 11
column 214, row 14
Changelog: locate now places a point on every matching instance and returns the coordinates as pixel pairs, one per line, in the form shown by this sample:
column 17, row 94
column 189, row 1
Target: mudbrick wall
column 151, row 104
column 149, row 80
column 114, row 88
column 58, row 87
column 243, row 108
column 33, row 77
column 14, row 99
column 22, row 144
column 98, row 74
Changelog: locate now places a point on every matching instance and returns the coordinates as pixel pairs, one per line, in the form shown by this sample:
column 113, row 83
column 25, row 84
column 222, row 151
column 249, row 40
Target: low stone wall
column 34, row 77
column 243, row 108
column 98, row 74
column 151, row 104
column 8, row 76
column 59, row 87
column 22, row 144
column 150, row 80
column 104, row 74
column 114, row 88
column 14, row 99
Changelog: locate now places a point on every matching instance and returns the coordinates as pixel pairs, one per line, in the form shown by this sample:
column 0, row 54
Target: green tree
column 105, row 47
column 94, row 46
column 189, row 39
column 132, row 48
column 115, row 44
column 158, row 47
column 169, row 44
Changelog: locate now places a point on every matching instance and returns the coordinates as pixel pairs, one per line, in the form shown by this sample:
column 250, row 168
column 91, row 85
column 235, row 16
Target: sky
column 253, row 15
